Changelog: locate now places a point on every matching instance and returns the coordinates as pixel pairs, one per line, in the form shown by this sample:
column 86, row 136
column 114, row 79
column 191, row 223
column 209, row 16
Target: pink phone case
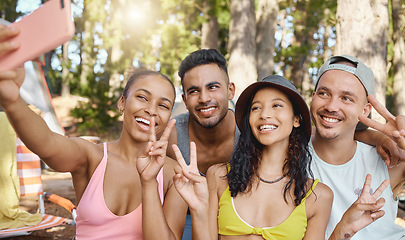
column 44, row 29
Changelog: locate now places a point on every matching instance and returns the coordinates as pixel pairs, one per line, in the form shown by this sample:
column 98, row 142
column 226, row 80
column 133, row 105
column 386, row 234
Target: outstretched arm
column 364, row 211
column 57, row 151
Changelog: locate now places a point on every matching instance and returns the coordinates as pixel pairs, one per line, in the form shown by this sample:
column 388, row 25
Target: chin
column 328, row 135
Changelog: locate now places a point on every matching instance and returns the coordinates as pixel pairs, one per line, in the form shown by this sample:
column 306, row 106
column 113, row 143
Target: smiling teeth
column 208, row 109
column 147, row 122
column 267, row 127
column 332, row 120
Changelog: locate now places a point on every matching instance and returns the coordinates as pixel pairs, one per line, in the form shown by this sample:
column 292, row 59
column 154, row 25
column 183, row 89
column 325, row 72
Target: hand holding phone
column 44, row 29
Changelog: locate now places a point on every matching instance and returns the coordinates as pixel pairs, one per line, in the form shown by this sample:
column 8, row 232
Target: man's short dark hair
column 202, row 57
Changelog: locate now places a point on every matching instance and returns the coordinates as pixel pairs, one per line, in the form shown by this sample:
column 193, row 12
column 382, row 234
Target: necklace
column 274, row 181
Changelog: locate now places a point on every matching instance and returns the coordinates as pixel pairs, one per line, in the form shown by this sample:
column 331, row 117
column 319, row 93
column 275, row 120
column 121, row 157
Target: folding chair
column 29, row 172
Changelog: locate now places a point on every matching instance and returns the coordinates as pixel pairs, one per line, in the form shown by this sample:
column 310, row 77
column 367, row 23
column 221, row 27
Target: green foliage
column 98, row 113
column 8, row 10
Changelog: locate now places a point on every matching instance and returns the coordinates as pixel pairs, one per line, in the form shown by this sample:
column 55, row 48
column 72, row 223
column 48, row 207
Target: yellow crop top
column 229, row 222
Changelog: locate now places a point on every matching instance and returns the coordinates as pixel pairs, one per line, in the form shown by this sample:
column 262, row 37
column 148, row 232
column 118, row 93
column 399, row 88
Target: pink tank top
column 94, row 219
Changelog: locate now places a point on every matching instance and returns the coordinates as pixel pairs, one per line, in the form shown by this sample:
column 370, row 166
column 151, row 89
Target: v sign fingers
column 193, row 167
column 365, row 196
column 168, row 130
column 394, row 126
column 377, row 193
column 191, row 186
column 399, row 136
column 381, row 109
column 152, row 131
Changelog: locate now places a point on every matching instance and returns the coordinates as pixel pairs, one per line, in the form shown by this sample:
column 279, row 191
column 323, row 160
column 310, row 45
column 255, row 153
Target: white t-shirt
column 346, row 182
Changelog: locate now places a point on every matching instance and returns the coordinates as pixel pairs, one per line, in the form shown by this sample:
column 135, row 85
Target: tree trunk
column 87, row 45
column 398, row 21
column 65, row 92
column 115, row 82
column 362, row 29
column 266, row 20
column 210, row 26
column 242, row 44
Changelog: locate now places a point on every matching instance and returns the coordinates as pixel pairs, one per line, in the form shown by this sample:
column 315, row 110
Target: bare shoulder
column 321, row 193
column 217, row 171
column 216, row 178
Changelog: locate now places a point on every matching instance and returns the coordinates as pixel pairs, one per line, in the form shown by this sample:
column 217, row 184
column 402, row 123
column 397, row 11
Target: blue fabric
column 187, row 229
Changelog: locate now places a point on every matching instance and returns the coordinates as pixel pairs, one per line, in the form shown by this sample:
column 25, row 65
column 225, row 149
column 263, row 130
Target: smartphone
column 44, row 29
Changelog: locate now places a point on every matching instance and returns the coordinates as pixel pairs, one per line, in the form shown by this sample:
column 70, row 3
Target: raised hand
column 10, row 81
column 366, row 209
column 191, row 186
column 153, row 157
column 394, row 126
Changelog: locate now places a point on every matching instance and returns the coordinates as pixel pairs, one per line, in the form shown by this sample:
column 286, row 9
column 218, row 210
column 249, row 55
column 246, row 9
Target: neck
column 273, row 158
column 127, row 147
column 334, row 151
column 214, row 135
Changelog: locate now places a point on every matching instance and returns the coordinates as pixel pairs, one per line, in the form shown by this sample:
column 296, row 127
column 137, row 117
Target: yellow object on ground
column 10, row 214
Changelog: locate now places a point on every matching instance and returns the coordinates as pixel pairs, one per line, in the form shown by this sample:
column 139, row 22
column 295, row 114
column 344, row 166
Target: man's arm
column 386, row 147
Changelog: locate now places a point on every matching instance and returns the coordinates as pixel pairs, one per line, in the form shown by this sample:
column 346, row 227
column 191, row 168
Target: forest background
column 258, row 38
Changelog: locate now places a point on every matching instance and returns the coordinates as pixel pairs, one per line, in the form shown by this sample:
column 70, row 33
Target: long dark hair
column 248, row 155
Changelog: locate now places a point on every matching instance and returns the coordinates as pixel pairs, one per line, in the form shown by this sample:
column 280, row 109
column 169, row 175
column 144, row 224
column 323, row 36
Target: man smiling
column 209, row 122
column 342, row 163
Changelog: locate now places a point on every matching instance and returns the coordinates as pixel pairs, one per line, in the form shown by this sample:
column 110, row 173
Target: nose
column 205, row 96
column 266, row 113
column 151, row 109
column 332, row 105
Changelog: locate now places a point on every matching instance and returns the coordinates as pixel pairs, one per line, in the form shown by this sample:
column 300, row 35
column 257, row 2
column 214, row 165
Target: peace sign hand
column 394, row 126
column 366, row 209
column 188, row 182
column 153, row 157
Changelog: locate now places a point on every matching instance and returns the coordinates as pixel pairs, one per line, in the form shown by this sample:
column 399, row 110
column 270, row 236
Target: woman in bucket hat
column 265, row 192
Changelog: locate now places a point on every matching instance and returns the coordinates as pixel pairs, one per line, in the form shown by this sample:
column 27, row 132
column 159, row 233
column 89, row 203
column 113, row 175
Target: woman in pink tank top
column 107, row 177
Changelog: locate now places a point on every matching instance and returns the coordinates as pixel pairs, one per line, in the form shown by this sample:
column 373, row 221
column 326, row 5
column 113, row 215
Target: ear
column 184, row 98
column 231, row 90
column 313, row 94
column 367, row 109
column 297, row 121
column 121, row 103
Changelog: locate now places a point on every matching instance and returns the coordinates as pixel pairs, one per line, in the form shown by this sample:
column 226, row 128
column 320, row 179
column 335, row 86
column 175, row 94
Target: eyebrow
column 274, row 99
column 149, row 93
column 344, row 92
column 349, row 94
column 207, row 85
column 213, row 83
column 192, row 88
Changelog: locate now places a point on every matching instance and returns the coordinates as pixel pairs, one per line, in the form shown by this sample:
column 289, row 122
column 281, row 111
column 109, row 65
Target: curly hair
column 248, row 155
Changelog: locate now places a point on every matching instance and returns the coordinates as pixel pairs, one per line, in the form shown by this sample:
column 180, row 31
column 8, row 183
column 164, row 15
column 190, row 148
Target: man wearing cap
column 339, row 99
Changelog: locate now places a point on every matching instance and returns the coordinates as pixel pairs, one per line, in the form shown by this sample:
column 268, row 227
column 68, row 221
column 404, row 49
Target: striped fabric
column 29, row 171
column 47, row 222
